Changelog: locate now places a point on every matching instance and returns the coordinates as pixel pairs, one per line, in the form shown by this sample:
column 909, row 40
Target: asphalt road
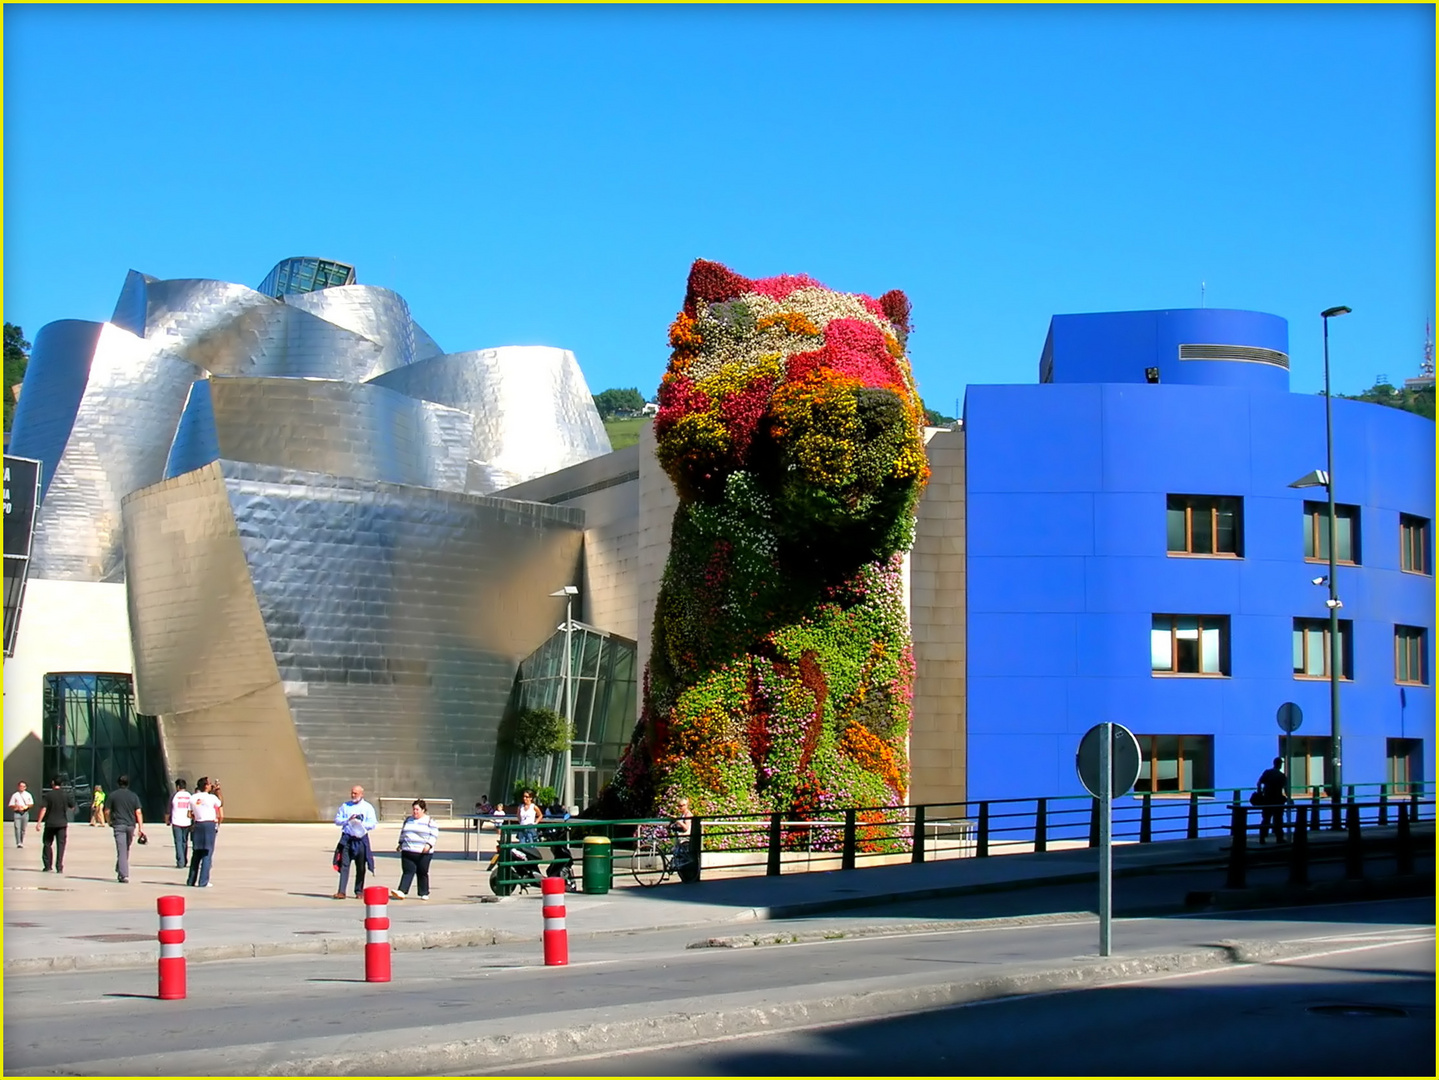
column 268, row 1014
column 1352, row 1009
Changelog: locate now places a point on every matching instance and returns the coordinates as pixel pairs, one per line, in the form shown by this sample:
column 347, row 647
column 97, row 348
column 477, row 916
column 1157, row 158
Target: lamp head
column 1318, row 478
column 568, row 590
column 1334, row 312
column 1319, row 581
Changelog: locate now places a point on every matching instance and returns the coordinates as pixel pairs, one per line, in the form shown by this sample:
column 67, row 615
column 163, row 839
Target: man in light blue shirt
column 356, row 820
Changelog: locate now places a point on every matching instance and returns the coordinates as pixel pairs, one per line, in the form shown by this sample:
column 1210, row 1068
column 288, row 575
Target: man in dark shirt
column 1273, row 789
column 126, row 819
column 54, row 805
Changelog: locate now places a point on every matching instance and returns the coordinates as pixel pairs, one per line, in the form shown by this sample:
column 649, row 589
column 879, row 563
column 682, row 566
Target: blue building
column 1136, row 553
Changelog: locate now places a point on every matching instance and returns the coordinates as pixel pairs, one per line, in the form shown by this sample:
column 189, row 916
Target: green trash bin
column 599, row 864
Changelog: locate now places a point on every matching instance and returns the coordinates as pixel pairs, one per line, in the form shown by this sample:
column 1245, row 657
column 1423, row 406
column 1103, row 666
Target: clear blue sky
column 547, row 174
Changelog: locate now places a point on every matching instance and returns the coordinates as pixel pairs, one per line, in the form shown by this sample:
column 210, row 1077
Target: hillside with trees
column 1419, row 400
column 17, row 356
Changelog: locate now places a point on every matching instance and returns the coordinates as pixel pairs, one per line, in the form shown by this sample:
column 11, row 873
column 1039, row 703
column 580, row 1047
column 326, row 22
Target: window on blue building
column 1411, row 655
column 1189, row 645
column 1405, row 760
column 1169, row 764
column 1205, row 525
column 1346, row 532
column 1311, row 649
column 1308, row 763
column 1413, row 544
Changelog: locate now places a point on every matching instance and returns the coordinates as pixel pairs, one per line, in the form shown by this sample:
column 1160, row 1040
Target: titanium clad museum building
column 285, row 539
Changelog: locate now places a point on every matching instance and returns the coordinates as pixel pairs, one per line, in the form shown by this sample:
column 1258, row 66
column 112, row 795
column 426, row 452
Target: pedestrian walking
column 127, row 821
column 97, row 806
column 356, row 819
column 177, row 816
column 1271, row 793
column 55, row 806
column 20, row 804
column 419, row 836
column 206, row 813
column 681, row 828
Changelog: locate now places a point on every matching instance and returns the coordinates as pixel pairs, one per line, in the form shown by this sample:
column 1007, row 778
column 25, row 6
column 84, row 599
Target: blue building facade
column 1136, row 554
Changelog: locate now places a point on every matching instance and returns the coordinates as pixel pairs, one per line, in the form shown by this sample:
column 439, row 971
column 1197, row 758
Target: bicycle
column 656, row 857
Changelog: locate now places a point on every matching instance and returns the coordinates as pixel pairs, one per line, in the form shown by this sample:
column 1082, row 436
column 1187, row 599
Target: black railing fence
column 773, row 844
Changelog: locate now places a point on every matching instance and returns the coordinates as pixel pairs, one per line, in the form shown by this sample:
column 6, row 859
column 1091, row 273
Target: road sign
column 1124, row 760
column 1289, row 717
column 1108, row 752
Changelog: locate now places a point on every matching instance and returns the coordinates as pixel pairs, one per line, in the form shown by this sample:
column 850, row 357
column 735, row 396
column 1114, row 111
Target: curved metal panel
column 426, row 347
column 348, row 429
column 133, row 396
column 533, row 410
column 131, row 307
column 195, row 444
column 378, row 314
column 396, row 618
column 188, row 308
column 283, row 341
column 203, row 662
column 50, row 396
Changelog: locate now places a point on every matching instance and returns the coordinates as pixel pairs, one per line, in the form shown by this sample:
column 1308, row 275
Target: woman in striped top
column 418, row 837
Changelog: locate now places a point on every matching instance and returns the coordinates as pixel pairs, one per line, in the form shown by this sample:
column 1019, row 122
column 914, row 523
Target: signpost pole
column 1106, row 851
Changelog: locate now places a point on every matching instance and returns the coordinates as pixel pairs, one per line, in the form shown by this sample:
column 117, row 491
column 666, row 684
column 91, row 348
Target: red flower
column 896, row 308
column 854, row 348
column 712, row 281
column 777, row 288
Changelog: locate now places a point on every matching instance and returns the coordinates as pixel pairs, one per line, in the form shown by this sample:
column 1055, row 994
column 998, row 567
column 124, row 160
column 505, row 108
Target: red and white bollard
column 557, row 938
column 377, row 934
column 172, row 947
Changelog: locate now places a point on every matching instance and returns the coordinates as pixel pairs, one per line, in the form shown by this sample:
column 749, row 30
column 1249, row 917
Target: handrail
column 976, row 828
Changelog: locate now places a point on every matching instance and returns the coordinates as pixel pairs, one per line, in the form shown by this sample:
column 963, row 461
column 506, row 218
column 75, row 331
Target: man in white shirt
column 20, row 804
column 178, row 818
column 356, row 820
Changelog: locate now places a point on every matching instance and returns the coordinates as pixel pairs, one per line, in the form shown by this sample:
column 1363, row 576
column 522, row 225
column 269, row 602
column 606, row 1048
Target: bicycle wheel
column 649, row 864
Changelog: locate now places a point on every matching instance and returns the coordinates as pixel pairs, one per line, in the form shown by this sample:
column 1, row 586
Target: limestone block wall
column 937, row 616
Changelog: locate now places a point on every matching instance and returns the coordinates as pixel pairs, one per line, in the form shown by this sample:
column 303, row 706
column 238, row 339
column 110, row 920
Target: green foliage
column 935, row 418
column 539, row 732
column 17, row 357
column 613, row 403
column 544, row 795
column 1419, row 401
column 625, row 432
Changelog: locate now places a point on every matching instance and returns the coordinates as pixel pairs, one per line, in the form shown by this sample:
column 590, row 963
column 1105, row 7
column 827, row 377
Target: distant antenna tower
column 1426, row 366
column 1201, row 294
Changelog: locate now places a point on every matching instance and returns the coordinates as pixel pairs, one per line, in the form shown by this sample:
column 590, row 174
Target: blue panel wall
column 1116, row 347
column 1068, row 562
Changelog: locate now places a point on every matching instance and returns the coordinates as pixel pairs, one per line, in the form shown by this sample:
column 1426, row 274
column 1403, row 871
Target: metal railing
column 774, row 844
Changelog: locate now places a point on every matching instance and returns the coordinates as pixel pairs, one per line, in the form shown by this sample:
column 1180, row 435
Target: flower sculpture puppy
column 781, row 673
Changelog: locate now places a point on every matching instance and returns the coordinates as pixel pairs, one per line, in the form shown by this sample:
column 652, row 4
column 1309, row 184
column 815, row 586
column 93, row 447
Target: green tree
column 17, row 357
column 539, row 732
column 935, row 418
column 1419, row 400
column 612, row 403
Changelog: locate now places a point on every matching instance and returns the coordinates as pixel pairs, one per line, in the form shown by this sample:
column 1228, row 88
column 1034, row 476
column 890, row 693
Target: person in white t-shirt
column 20, row 804
column 178, row 818
column 205, row 817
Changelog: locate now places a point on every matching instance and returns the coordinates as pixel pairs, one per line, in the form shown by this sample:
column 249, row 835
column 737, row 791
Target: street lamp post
column 1336, row 754
column 569, row 592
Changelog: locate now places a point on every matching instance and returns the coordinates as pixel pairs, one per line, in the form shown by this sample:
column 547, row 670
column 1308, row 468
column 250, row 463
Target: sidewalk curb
column 478, row 937
column 585, row 1037
column 669, row 1030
